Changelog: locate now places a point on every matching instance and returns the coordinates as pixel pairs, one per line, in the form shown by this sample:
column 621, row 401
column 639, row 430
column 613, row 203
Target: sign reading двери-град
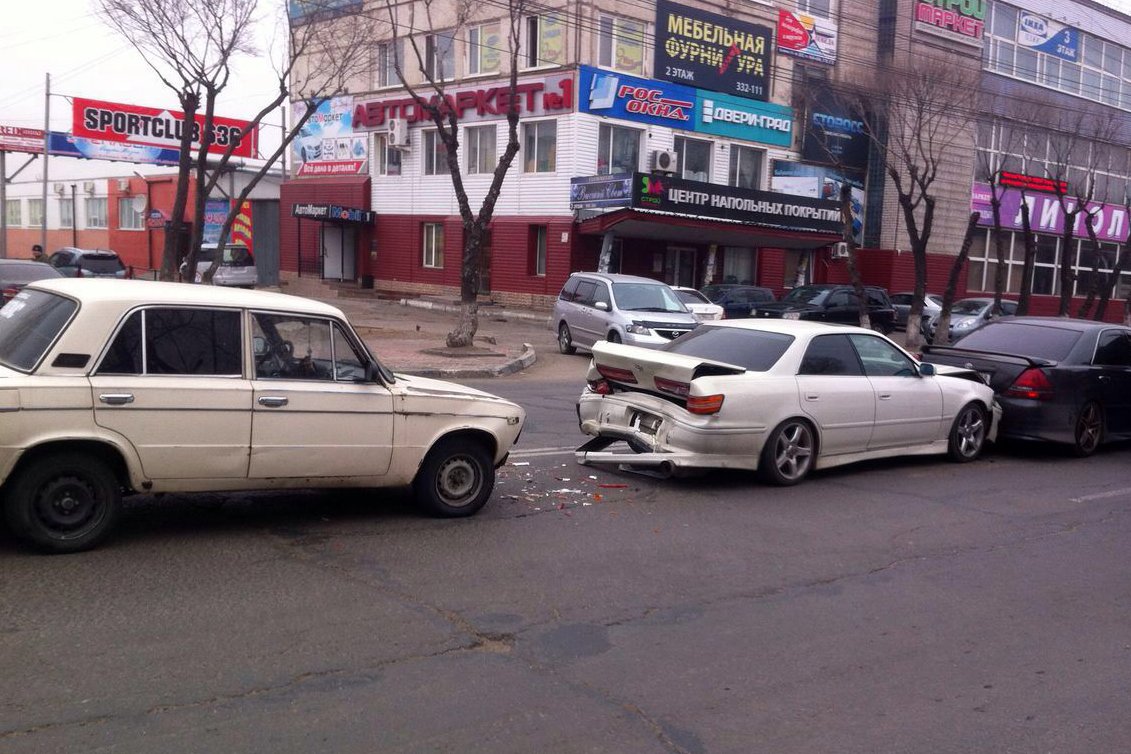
column 767, row 208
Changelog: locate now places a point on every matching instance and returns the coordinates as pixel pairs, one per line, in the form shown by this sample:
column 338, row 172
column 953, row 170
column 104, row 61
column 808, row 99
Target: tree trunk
column 1065, row 275
column 170, row 254
column 1028, row 261
column 999, row 248
column 1094, row 281
column 942, row 329
column 201, row 197
column 468, row 323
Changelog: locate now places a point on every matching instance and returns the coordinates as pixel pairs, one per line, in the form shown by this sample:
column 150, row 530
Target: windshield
column 1021, row 339
column 29, row 324
column 646, row 297
column 688, row 296
column 755, row 350
column 968, row 306
column 25, row 273
column 806, row 294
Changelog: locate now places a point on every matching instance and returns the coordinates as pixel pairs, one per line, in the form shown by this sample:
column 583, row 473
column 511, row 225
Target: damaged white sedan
column 779, row 397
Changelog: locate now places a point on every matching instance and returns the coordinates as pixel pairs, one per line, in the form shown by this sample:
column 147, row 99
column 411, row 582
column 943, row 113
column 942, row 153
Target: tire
column 64, row 503
column 968, row 434
column 1089, row 430
column 565, row 340
column 455, row 479
column 788, row 455
column 614, row 337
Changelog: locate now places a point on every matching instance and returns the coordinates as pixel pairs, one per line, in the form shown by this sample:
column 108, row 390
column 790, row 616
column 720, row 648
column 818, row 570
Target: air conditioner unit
column 839, row 250
column 124, row 185
column 60, row 188
column 88, row 187
column 398, row 132
column 665, row 161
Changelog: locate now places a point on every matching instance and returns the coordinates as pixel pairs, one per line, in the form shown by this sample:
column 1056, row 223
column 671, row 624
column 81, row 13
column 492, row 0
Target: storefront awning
column 681, row 229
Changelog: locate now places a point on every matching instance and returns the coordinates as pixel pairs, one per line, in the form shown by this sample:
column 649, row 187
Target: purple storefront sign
column 1046, row 214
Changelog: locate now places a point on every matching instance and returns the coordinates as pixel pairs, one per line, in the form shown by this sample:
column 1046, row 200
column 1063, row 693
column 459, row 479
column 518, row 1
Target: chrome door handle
column 116, row 399
column 272, row 401
column 885, row 396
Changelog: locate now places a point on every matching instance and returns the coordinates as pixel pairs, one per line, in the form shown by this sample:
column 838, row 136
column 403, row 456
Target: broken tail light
column 672, row 387
column 617, row 374
column 1033, row 384
column 600, row 387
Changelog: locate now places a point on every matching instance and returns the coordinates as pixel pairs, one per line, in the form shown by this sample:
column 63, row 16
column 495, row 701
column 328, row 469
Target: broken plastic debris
column 520, row 463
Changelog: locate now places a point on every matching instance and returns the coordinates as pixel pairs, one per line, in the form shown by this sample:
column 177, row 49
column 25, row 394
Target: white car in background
column 701, row 306
column 781, row 397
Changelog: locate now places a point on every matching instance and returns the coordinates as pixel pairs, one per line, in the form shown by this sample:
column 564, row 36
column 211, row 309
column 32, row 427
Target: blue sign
column 617, row 95
column 741, row 118
column 65, row 145
column 215, row 213
column 1052, row 38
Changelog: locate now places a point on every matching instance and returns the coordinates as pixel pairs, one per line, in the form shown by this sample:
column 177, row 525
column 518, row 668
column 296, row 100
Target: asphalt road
column 906, row 606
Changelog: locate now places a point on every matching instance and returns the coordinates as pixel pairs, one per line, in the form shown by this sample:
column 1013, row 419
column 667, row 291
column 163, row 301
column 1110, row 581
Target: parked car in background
column 140, row 386
column 737, row 301
column 1057, row 379
column 901, row 303
column 237, row 266
column 16, row 273
column 698, row 304
column 88, row 263
column 832, row 303
column 968, row 314
column 779, row 397
column 596, row 306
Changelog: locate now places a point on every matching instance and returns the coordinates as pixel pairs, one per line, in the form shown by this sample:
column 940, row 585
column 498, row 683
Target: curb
column 511, row 313
column 524, row 360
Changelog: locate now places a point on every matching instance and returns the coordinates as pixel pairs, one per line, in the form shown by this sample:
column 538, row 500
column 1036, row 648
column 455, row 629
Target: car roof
column 130, row 293
column 1065, row 323
column 12, row 262
column 77, row 250
column 615, row 277
column 787, row 326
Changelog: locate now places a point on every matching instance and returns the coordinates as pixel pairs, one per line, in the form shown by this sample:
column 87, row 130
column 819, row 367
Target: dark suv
column 737, row 301
column 88, row 263
column 832, row 303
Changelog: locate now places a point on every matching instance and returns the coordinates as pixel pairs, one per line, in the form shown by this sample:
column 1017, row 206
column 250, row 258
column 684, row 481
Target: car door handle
column 812, row 396
column 273, row 401
column 885, row 396
column 116, row 399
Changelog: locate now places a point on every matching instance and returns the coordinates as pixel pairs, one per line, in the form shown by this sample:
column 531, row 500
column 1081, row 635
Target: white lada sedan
column 110, row 387
column 781, row 397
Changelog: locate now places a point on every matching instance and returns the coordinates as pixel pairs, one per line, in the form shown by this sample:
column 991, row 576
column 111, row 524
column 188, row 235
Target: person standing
column 37, row 253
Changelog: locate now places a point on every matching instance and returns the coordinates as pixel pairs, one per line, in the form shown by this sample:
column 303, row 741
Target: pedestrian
column 37, row 253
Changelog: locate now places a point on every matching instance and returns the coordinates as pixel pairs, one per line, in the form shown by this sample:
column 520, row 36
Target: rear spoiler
column 959, row 351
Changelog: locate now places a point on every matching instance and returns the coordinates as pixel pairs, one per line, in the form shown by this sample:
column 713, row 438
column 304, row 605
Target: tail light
column 600, row 387
column 672, row 387
column 1032, row 384
column 704, row 404
column 617, row 374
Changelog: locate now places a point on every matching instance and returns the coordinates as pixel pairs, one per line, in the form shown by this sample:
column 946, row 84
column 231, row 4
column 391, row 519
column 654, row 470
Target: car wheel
column 455, row 479
column 565, row 339
column 1089, row 430
column 967, row 434
column 64, row 503
column 788, row 455
column 614, row 336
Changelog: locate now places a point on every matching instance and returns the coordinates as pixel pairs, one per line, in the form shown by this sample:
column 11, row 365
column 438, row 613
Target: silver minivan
column 620, row 308
column 237, row 267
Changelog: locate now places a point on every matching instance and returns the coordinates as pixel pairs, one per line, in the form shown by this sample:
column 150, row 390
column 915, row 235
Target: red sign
column 338, row 167
column 18, row 139
column 133, row 124
column 1031, row 182
column 241, row 227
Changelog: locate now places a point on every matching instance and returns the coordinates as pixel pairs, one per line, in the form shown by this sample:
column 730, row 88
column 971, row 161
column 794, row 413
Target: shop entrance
column 679, row 266
column 339, row 244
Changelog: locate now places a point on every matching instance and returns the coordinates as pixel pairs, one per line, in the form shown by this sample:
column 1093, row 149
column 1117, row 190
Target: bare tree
column 942, row 328
column 430, row 95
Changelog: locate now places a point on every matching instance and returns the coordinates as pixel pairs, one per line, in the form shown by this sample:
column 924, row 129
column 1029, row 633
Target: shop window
column 694, row 158
column 66, row 213
column 95, row 212
column 12, row 212
column 746, row 167
column 539, row 145
column 538, row 234
column 479, row 144
column 439, row 57
column 129, row 216
column 433, row 245
column 388, row 158
column 621, row 43
column 545, row 41
column 618, row 150
column 435, row 154
column 34, row 212
column 484, row 45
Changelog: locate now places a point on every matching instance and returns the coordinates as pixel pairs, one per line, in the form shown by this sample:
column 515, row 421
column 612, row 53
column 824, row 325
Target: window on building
column 66, row 213
column 435, row 154
column 538, row 235
column 540, row 146
column 484, row 48
column 746, row 167
column 433, row 245
column 479, row 142
column 96, row 212
column 620, row 43
column 388, row 158
column 545, row 41
column 694, row 158
column 618, row 150
column 823, row 8
column 386, row 55
column 439, row 57
column 34, row 212
column 129, row 216
column 12, row 212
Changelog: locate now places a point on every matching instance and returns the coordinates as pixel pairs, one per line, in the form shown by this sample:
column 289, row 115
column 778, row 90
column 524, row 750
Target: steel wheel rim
column 1088, row 428
column 793, row 451
column 68, row 507
column 458, row 481
column 971, row 432
column 563, row 337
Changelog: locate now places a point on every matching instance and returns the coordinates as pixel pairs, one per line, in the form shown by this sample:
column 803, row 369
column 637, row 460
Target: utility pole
column 3, row 205
column 74, row 217
column 46, row 142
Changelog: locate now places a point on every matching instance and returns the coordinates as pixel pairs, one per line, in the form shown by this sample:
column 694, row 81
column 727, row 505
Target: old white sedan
column 781, row 397
column 110, row 387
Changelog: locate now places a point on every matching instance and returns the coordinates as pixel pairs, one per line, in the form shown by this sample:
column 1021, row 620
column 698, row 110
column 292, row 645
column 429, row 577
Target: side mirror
column 603, row 306
column 927, row 370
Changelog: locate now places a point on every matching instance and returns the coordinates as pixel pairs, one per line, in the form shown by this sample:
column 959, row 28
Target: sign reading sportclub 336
column 133, row 124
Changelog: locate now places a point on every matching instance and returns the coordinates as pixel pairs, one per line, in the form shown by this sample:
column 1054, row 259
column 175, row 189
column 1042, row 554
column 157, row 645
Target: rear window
column 29, row 324
column 101, row 262
column 692, row 297
column 1023, row 339
column 755, row 350
column 807, row 295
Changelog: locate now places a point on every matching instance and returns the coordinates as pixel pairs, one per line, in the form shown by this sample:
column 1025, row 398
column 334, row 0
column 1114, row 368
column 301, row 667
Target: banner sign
column 618, row 95
column 740, row 118
column 133, row 124
column 241, row 227
column 1050, row 37
column 65, row 145
column 600, row 191
column 709, row 51
column 156, row 219
column 545, row 95
column 18, row 139
column 215, row 214
column 805, row 36
column 1047, row 216
column 833, row 134
column 333, row 213
column 326, row 144
column 765, row 208
column 819, row 182
column 957, row 20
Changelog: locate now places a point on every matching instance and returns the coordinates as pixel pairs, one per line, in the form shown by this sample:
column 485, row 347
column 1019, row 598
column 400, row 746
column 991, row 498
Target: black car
column 832, row 303
column 1057, row 379
column 737, row 301
column 16, row 273
column 88, row 263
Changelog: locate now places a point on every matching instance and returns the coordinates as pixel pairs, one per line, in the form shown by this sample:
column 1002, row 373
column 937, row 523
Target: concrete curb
column 510, row 313
column 524, row 360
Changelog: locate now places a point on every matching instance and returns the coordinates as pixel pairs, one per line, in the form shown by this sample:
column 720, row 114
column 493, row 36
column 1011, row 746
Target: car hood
column 413, row 386
column 661, row 318
column 646, row 364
